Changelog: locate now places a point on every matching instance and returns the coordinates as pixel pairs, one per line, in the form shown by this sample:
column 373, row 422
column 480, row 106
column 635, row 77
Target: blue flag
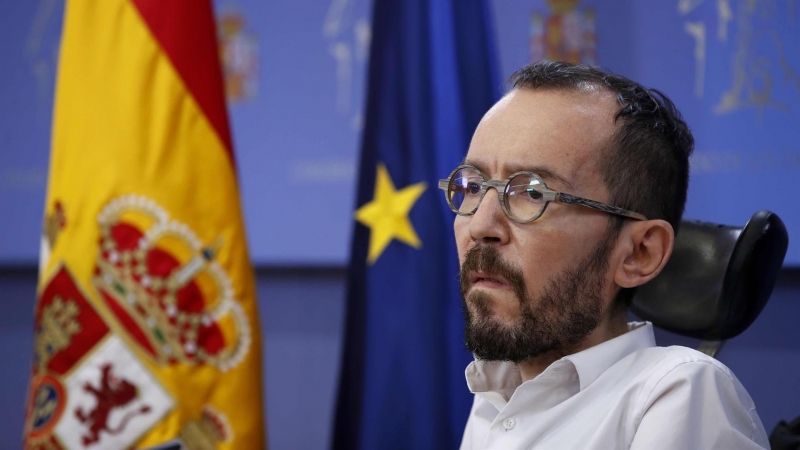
column 431, row 79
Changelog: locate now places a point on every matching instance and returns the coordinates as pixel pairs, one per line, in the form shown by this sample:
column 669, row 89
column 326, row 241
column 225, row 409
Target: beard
column 569, row 308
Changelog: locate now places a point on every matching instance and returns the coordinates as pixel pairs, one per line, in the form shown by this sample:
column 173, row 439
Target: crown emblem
column 165, row 287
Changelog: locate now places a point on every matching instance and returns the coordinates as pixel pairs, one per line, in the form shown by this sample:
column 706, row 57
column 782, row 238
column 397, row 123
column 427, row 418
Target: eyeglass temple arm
column 443, row 184
column 580, row 201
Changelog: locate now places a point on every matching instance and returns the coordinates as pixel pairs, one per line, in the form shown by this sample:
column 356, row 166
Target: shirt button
column 509, row 423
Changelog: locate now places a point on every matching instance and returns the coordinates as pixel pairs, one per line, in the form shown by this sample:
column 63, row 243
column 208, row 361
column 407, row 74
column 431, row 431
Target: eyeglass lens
column 523, row 196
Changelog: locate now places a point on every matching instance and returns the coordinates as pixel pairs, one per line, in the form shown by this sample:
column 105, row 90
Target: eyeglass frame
column 548, row 195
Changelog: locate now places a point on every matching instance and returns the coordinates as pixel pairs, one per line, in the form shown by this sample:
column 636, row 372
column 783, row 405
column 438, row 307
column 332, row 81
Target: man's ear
column 648, row 245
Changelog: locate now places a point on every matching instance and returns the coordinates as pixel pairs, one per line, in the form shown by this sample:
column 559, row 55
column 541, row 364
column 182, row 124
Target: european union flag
column 430, row 81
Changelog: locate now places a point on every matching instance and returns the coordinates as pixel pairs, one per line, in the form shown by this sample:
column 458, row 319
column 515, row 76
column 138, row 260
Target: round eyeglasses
column 523, row 195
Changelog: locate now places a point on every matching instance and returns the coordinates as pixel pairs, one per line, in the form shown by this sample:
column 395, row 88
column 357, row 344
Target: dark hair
column 646, row 166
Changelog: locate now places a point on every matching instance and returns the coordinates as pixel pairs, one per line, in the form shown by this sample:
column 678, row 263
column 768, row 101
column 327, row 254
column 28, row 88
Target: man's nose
column 490, row 224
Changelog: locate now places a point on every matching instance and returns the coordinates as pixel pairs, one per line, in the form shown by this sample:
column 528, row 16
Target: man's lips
column 487, row 280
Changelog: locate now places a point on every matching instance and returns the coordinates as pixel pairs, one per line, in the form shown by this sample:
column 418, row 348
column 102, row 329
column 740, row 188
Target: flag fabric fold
column 146, row 326
column 430, row 81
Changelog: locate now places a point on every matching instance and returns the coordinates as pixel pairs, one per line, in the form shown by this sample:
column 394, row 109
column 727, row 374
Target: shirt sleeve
column 698, row 405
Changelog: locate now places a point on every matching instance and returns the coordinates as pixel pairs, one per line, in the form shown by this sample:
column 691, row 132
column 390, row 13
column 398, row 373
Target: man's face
column 542, row 286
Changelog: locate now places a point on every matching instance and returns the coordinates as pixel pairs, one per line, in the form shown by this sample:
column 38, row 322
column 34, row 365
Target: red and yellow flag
column 146, row 322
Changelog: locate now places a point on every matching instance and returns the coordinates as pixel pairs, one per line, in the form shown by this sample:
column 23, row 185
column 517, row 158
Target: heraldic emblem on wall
column 158, row 294
column 238, row 55
column 565, row 33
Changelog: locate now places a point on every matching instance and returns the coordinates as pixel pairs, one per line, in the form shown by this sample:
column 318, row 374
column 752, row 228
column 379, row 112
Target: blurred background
column 295, row 82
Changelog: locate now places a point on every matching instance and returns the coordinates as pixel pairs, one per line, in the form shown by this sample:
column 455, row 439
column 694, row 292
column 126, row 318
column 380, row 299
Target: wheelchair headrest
column 718, row 279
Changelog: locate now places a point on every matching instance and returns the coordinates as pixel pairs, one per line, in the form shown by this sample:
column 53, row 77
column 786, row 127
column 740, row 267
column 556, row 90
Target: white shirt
column 623, row 393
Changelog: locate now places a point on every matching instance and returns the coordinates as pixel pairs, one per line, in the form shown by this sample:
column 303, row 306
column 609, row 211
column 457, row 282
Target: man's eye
column 473, row 188
column 534, row 194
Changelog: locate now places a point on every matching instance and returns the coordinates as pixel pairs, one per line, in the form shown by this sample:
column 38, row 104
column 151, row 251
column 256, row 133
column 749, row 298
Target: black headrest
column 718, row 279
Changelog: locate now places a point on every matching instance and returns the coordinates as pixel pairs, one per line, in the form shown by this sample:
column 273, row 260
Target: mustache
column 487, row 258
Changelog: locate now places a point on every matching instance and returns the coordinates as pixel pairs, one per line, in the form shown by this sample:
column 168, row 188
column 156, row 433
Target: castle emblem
column 57, row 326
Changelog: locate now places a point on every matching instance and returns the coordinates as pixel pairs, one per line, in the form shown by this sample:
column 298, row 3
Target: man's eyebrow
column 545, row 172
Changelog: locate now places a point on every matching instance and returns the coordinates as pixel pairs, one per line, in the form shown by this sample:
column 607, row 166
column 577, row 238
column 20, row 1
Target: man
column 593, row 173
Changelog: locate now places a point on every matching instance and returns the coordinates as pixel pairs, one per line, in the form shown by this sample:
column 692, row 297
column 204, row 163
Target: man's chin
column 491, row 341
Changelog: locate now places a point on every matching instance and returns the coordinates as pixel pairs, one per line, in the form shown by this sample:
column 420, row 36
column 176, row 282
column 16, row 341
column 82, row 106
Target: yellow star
column 387, row 214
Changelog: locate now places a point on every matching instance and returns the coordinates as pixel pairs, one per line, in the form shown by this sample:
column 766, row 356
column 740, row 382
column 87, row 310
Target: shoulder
column 668, row 359
column 676, row 366
column 696, row 392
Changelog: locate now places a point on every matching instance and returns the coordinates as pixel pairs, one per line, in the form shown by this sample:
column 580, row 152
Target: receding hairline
column 584, row 89
column 581, row 88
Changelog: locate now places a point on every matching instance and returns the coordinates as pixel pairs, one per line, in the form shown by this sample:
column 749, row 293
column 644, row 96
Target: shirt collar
column 491, row 378
column 495, row 381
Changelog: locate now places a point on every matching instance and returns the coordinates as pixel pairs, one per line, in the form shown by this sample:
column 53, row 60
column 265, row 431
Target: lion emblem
column 112, row 392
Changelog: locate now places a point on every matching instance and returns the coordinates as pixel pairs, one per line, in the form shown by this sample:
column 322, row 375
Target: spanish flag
column 146, row 324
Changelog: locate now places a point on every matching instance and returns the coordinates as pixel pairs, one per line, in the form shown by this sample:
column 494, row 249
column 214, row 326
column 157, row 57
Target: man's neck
column 607, row 330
